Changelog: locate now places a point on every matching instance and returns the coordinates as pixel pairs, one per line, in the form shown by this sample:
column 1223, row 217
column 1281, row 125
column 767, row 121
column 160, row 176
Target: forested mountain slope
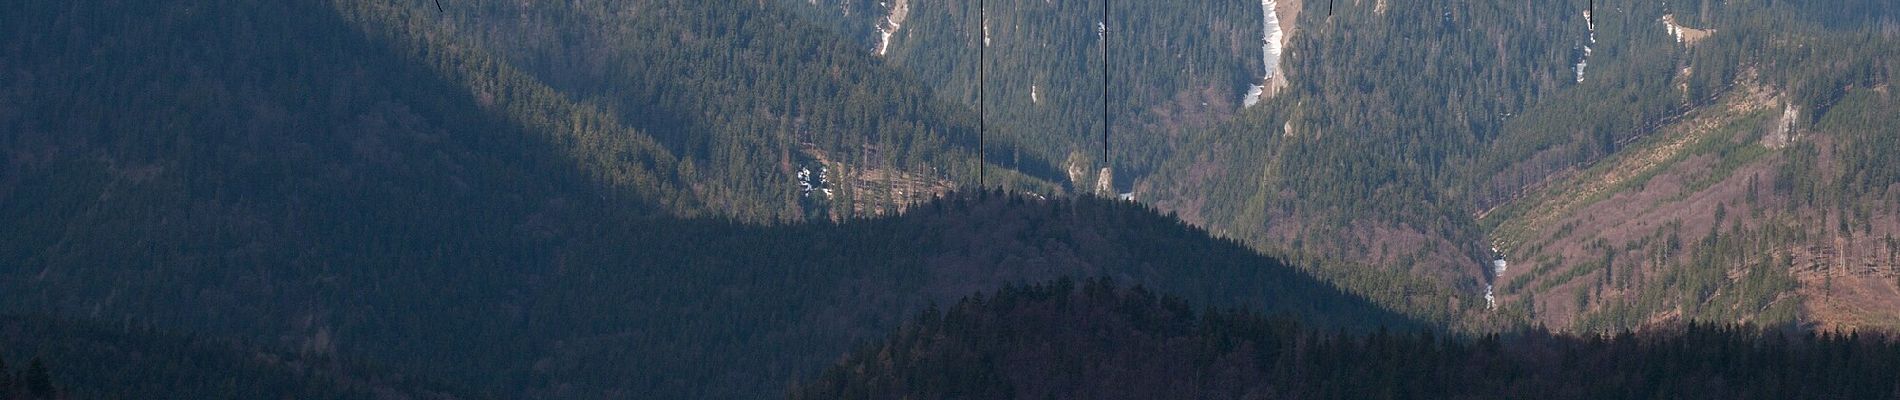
column 1173, row 67
column 1770, row 200
column 673, row 198
column 87, row 360
column 1398, row 128
column 358, row 180
column 746, row 96
column 1186, row 140
column 1358, row 160
column 1095, row 340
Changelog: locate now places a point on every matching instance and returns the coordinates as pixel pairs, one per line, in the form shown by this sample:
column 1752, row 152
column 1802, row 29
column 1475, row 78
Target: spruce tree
column 6, row 378
column 36, row 381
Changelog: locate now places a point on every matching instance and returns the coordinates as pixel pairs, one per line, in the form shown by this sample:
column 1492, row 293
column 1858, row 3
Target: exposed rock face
column 1683, row 34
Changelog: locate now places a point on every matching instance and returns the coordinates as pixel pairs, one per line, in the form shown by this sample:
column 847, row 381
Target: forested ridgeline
column 721, row 310
column 1099, row 340
column 90, row 360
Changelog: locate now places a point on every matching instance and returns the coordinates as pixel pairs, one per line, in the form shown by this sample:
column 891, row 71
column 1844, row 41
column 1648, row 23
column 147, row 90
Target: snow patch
column 1253, row 95
column 1583, row 60
column 809, row 182
column 1271, row 48
column 1669, row 25
column 1784, row 132
column 1272, row 38
column 1498, row 267
column 887, row 26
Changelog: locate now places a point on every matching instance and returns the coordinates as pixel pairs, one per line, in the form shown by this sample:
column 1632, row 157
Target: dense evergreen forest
column 1173, row 68
column 86, row 360
column 371, row 189
column 741, row 95
column 1746, row 148
column 1099, row 340
column 346, row 179
column 713, row 199
column 35, row 382
column 1405, row 127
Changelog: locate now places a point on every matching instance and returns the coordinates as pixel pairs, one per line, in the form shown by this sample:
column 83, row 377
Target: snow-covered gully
column 887, row 26
column 1270, row 50
column 1583, row 60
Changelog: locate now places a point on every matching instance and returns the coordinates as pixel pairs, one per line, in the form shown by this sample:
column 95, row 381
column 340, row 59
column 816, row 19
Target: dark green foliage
column 1177, row 67
column 736, row 90
column 1100, row 341
column 116, row 361
column 783, row 291
column 355, row 179
column 697, row 300
column 1435, row 112
column 492, row 195
column 36, row 382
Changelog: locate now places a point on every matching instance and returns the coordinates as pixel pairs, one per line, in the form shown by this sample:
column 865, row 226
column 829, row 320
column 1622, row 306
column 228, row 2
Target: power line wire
column 982, row 48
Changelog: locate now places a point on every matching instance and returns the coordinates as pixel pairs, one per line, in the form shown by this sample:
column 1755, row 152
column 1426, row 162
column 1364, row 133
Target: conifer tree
column 6, row 378
column 37, row 382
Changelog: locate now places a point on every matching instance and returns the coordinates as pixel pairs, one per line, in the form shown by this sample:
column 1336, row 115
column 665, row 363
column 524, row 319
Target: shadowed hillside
column 1096, row 340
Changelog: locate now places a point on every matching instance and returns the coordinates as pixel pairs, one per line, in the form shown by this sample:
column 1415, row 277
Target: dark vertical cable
column 1592, row 16
column 1105, row 118
column 982, row 36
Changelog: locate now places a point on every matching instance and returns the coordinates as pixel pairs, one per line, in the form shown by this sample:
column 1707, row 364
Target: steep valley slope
column 1400, row 129
column 386, row 181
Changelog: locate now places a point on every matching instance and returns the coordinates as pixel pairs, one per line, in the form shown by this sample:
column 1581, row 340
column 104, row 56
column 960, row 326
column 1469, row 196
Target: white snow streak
column 1669, row 24
column 891, row 23
column 1253, row 95
column 1270, row 50
column 1584, row 61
